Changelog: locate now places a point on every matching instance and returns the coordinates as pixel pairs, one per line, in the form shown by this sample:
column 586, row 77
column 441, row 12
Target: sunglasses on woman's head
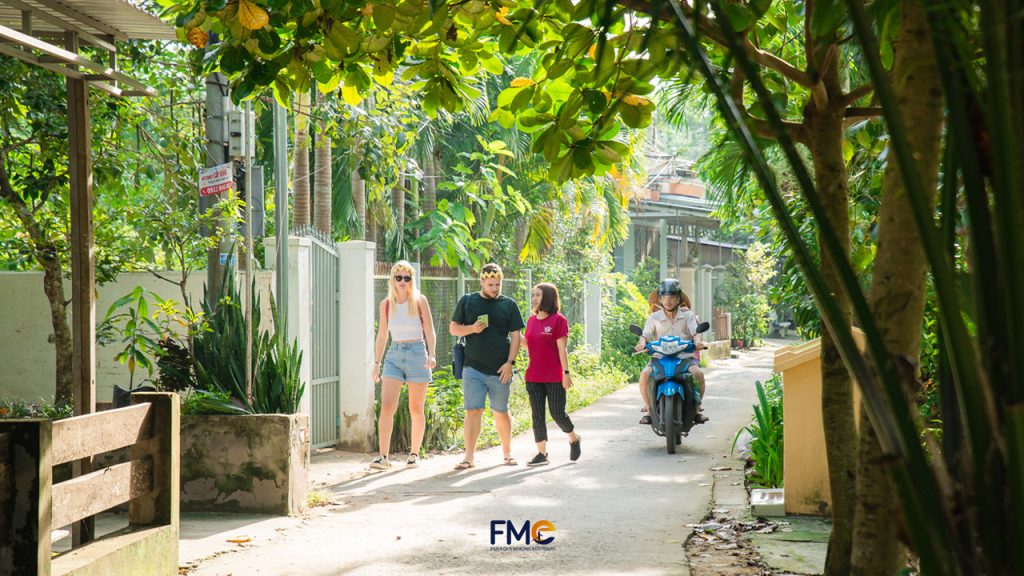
column 400, row 278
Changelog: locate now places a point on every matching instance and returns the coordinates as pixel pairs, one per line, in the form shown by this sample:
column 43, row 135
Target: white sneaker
column 380, row 463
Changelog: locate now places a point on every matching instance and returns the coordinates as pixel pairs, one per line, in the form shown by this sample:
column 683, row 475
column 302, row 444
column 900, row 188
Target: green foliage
column 744, row 292
column 204, row 402
column 151, row 338
column 137, row 330
column 12, row 409
column 589, row 86
column 221, row 356
column 766, row 430
column 646, row 276
column 445, row 414
column 622, row 304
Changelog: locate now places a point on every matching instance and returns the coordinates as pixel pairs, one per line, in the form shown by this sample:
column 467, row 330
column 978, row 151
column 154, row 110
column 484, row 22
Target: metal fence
column 325, row 388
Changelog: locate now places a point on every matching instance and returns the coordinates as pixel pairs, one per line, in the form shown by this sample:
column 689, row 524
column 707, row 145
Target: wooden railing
column 31, row 505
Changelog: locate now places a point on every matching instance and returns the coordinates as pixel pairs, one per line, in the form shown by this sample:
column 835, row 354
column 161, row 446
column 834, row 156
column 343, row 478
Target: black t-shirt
column 488, row 350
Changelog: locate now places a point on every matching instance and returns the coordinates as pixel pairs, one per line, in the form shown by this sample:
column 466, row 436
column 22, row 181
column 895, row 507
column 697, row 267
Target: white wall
column 26, row 330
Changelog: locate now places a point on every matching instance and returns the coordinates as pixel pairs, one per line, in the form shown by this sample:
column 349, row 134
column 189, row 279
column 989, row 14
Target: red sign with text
column 216, row 179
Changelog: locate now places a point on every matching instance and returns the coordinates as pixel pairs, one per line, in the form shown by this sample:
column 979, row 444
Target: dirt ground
column 719, row 548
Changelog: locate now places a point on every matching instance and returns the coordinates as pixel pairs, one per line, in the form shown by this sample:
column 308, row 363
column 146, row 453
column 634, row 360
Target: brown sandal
column 510, row 461
column 464, row 465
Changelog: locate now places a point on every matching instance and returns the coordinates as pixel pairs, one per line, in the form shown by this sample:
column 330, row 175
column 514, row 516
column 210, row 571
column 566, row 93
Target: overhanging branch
column 862, row 111
column 664, row 12
column 857, row 93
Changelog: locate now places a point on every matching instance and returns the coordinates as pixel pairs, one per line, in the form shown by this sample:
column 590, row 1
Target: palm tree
column 300, row 162
column 323, row 190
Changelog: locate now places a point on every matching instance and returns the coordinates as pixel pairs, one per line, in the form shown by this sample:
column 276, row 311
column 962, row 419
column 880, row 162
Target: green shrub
column 766, row 447
column 11, row 409
column 220, row 357
column 622, row 305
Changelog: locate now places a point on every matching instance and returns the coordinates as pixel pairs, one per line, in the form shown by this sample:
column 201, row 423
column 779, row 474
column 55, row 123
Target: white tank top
column 401, row 325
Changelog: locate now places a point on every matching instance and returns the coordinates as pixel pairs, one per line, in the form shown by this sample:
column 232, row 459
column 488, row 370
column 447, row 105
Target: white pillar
column 300, row 321
column 355, row 350
column 663, row 248
column 592, row 314
column 629, row 250
column 704, row 295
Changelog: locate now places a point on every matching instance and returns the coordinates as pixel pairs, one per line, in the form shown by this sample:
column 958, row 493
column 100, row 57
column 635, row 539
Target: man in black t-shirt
column 491, row 324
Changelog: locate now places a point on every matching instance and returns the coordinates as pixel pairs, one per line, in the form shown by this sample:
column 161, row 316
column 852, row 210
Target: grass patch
column 316, row 499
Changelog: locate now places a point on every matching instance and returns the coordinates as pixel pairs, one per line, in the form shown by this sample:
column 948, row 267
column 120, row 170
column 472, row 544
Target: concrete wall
column 251, row 463
column 25, row 330
column 805, row 462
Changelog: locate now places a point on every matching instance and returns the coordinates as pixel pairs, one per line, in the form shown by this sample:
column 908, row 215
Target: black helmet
column 670, row 287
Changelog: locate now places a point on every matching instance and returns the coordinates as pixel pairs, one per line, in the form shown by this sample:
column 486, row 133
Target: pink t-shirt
column 542, row 340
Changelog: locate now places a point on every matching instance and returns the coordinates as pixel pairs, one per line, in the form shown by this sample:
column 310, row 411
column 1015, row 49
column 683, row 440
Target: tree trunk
column 430, row 195
column 415, row 201
column 825, row 134
column 898, row 281
column 522, row 228
column 322, row 197
column 48, row 256
column 300, row 165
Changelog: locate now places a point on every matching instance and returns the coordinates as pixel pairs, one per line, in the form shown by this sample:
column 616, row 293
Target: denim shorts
column 407, row 362
column 477, row 386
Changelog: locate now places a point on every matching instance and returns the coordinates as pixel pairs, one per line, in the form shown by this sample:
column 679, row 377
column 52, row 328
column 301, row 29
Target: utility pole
column 281, row 210
column 242, row 149
column 217, row 105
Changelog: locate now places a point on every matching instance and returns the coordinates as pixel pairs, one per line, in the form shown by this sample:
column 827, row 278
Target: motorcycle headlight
column 669, row 348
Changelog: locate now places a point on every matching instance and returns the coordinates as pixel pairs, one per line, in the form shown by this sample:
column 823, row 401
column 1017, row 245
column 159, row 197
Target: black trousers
column 555, row 395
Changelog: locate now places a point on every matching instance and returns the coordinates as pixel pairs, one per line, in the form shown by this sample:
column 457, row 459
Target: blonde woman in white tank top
column 405, row 317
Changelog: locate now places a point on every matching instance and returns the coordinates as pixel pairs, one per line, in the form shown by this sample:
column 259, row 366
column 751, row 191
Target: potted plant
column 243, row 450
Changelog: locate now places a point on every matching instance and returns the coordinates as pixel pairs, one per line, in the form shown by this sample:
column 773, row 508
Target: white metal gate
column 325, row 409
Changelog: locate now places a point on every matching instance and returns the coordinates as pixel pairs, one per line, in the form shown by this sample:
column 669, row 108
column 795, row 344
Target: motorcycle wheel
column 673, row 413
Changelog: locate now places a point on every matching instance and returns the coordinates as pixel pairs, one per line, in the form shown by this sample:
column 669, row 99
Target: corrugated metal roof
column 103, row 18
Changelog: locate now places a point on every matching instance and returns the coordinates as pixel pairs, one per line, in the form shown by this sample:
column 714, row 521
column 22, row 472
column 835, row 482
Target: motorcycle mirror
column 703, row 327
column 636, row 330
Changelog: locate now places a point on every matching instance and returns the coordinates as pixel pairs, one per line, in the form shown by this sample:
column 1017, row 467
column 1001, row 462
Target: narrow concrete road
column 624, row 507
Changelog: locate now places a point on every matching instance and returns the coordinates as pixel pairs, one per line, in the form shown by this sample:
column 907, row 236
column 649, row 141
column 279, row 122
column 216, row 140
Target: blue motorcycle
column 675, row 397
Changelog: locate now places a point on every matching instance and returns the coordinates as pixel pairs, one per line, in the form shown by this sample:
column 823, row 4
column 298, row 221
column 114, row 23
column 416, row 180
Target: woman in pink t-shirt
column 547, row 333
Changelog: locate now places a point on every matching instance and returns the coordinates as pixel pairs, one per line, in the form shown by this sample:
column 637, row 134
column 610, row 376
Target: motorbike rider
column 674, row 319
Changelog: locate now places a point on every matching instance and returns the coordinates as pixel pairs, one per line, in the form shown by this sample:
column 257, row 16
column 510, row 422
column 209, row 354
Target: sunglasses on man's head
column 400, row 278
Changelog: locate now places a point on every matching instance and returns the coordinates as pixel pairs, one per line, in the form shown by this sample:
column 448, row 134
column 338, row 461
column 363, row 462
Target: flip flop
column 464, row 465
column 510, row 461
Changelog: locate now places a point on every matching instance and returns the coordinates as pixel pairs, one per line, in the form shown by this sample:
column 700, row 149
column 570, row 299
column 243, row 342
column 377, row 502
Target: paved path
column 624, row 507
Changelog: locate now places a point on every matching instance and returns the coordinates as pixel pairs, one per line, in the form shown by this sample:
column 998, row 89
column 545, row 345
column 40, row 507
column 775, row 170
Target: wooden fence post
column 160, row 505
column 26, row 476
